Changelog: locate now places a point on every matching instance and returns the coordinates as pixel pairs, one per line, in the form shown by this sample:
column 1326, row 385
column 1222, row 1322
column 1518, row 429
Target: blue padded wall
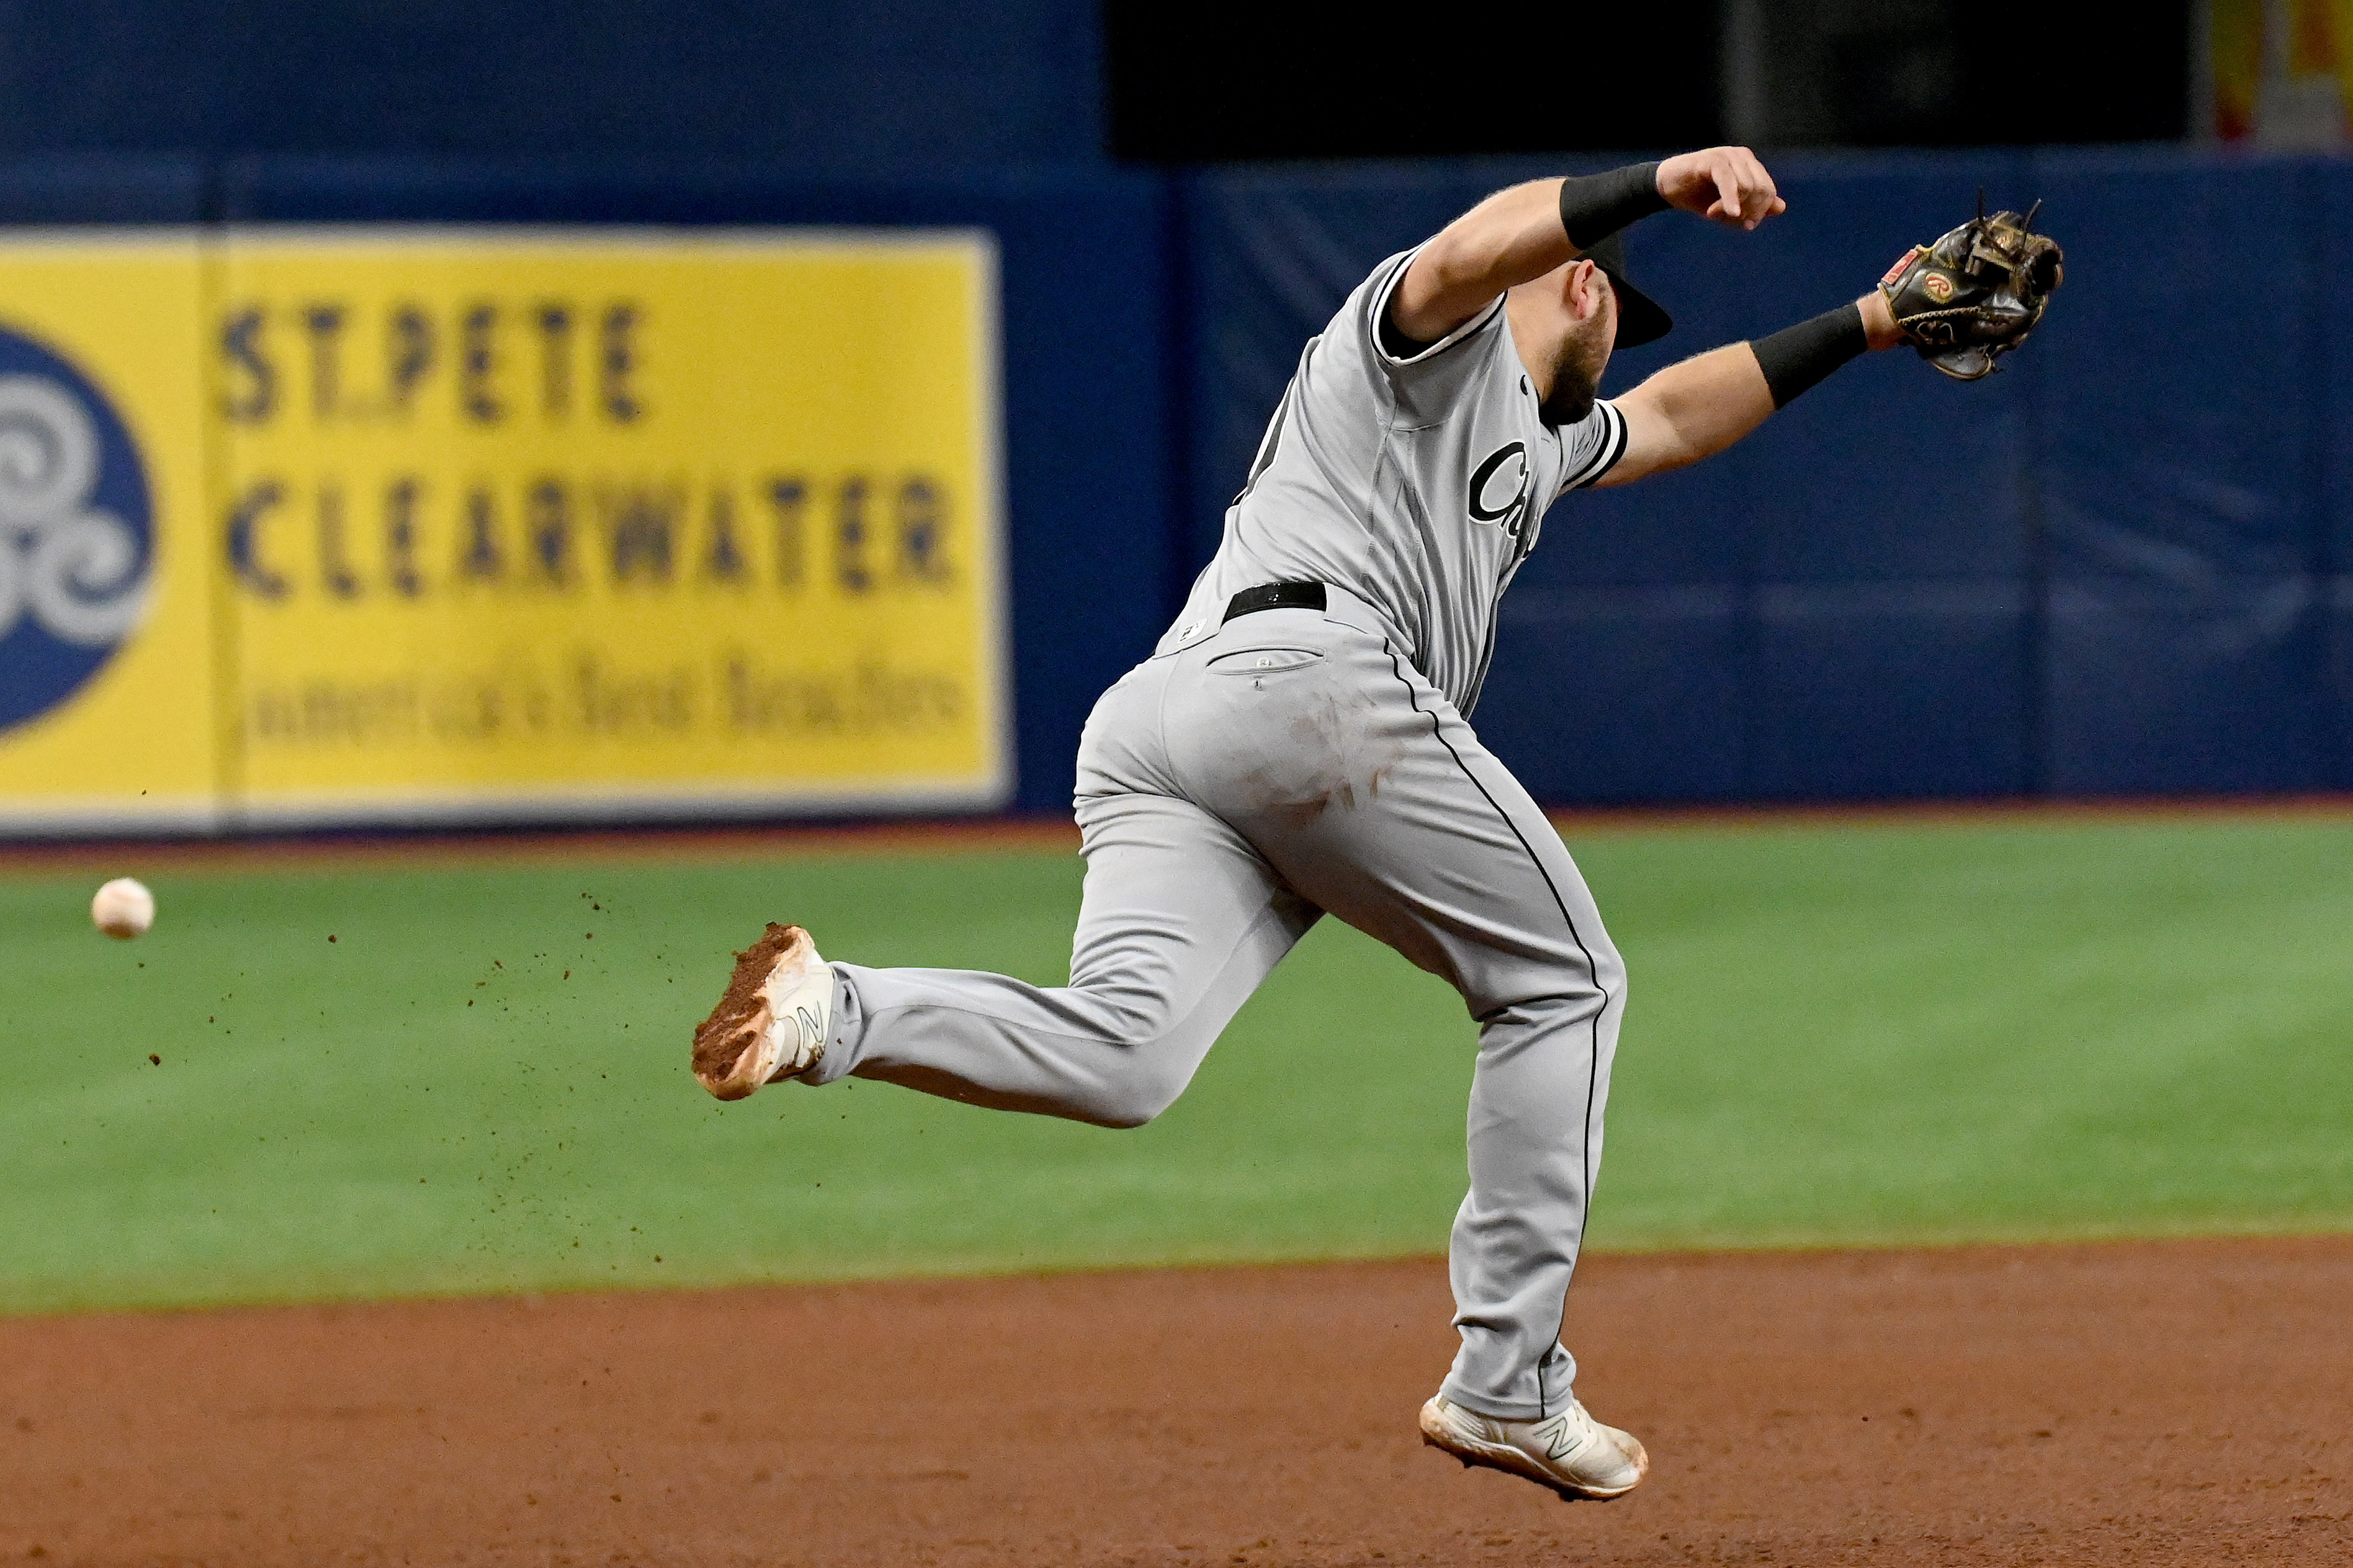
column 2335, row 342
column 839, row 85
column 78, row 189
column 1623, row 694
column 2182, row 422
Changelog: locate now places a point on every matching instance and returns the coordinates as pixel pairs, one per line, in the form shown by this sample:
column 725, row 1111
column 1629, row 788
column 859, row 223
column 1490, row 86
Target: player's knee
column 1140, row 1096
column 1147, row 1057
column 1571, row 1001
column 1143, row 1079
column 1125, row 1116
column 1124, row 1111
column 1581, row 985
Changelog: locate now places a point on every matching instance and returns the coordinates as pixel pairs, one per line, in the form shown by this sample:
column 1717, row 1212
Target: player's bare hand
column 1724, row 185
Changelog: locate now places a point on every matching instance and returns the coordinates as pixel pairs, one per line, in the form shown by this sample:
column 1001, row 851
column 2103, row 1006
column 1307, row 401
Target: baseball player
column 1298, row 744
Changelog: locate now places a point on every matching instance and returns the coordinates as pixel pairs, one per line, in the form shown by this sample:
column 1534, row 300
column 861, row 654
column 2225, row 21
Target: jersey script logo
column 1499, row 489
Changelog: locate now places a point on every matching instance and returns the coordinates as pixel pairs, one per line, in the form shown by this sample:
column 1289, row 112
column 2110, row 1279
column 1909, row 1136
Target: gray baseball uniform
column 1262, row 768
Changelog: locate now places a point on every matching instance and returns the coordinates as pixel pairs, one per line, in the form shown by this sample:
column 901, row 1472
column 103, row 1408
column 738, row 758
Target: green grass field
column 1839, row 1033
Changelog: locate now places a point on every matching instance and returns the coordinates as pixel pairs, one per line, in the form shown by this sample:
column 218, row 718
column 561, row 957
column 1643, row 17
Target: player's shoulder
column 1369, row 299
column 1385, row 275
column 1375, row 334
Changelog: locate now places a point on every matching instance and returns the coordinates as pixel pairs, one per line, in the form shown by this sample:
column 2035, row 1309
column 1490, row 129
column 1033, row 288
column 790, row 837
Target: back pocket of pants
column 1263, row 661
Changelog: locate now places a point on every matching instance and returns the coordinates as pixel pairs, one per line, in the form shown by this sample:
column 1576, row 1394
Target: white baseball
column 123, row 908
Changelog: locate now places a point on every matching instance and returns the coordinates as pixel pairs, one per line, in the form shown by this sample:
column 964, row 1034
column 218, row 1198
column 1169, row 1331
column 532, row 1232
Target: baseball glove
column 1975, row 294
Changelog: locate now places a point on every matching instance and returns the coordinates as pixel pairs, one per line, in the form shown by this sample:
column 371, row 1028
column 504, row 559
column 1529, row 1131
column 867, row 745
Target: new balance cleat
column 1571, row 1452
column 772, row 1023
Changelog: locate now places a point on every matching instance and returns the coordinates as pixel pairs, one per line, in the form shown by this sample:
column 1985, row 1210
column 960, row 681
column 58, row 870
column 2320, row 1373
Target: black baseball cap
column 1639, row 318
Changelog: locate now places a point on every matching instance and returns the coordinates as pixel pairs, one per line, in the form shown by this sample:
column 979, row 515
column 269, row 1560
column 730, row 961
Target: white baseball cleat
column 772, row 1023
column 1572, row 1453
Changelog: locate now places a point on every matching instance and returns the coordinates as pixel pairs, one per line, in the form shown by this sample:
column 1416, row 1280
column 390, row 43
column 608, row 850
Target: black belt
column 1276, row 596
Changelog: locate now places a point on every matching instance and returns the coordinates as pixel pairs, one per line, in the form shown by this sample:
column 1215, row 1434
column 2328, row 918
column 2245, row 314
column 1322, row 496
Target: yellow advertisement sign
column 537, row 523
column 521, row 523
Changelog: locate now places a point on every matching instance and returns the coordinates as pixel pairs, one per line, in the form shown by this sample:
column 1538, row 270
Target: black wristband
column 1795, row 358
column 1595, row 206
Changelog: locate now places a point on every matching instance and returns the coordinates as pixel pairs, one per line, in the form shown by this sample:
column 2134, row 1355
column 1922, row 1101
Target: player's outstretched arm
column 1699, row 407
column 1525, row 232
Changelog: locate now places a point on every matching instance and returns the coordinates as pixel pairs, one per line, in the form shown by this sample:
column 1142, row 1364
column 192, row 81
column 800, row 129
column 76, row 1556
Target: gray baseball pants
column 1289, row 763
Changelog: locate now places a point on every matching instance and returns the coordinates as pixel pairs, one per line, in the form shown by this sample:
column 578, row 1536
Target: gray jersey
column 1419, row 483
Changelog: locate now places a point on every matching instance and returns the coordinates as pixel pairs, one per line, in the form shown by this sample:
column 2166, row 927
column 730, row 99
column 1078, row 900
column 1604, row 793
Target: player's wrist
column 1879, row 322
column 1797, row 358
column 1595, row 206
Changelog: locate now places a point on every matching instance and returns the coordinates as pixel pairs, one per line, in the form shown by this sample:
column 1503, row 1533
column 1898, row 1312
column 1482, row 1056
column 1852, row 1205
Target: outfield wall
column 2124, row 565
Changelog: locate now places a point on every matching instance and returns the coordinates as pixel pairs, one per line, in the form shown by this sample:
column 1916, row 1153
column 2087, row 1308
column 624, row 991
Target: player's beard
column 1576, row 369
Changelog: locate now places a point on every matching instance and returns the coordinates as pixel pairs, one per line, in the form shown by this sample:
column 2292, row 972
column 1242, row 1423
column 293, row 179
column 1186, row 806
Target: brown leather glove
column 1975, row 294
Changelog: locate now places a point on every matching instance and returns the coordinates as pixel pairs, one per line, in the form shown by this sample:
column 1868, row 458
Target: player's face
column 1591, row 331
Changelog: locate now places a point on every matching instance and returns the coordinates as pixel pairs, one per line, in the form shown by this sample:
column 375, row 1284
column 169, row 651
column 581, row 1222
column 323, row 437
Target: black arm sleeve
column 1795, row 358
column 1595, row 206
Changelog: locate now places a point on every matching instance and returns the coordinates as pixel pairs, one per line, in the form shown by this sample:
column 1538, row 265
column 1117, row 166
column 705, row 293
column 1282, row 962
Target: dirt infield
column 2141, row 1404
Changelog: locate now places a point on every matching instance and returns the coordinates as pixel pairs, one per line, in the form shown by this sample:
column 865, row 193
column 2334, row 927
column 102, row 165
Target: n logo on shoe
column 1564, row 1440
